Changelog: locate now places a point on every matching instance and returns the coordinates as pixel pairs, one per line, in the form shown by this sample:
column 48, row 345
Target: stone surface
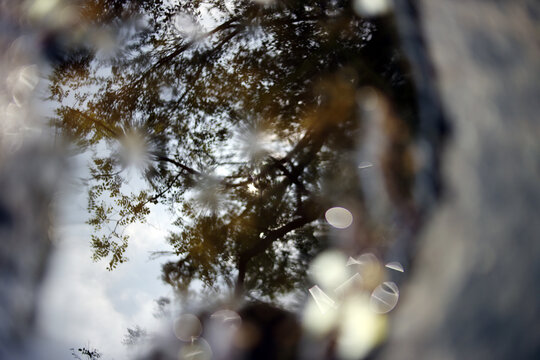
column 28, row 179
column 475, row 289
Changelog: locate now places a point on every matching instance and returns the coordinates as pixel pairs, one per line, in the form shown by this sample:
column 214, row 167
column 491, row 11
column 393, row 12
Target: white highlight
column 329, row 270
column 384, row 298
column 264, row 2
column 317, row 323
column 371, row 7
column 227, row 317
column 360, row 329
column 252, row 188
column 323, row 301
column 356, row 279
column 339, row 217
column 394, row 265
column 365, row 165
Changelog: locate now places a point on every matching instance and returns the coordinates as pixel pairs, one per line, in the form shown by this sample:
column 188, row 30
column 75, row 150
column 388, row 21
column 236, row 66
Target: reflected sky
column 80, row 297
column 229, row 138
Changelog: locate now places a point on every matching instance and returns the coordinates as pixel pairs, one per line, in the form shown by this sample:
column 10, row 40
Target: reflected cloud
column 187, row 26
column 252, row 188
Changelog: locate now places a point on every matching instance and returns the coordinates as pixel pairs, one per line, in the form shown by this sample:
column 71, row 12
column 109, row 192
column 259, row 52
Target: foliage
column 240, row 117
column 88, row 354
column 163, row 309
column 135, row 336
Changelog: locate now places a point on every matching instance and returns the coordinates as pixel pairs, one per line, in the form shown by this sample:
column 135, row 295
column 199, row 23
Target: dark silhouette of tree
column 85, row 353
column 163, row 308
column 243, row 118
column 135, row 336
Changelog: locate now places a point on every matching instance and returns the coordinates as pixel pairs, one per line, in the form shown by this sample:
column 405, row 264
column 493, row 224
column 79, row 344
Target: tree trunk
column 239, row 287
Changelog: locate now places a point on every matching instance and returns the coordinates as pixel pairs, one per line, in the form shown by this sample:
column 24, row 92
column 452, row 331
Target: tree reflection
column 243, row 118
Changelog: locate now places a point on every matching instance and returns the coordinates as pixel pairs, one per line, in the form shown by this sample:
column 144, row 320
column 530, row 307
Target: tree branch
column 101, row 124
column 163, row 61
column 178, row 164
column 161, row 193
column 261, row 246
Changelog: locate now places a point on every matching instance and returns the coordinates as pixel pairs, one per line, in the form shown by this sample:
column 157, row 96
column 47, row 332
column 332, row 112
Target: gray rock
column 475, row 289
column 28, row 180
